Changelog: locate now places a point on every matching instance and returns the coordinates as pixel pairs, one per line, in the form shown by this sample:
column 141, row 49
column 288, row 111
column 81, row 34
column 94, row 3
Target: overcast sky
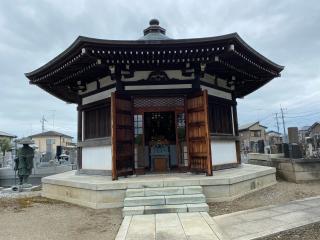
column 34, row 32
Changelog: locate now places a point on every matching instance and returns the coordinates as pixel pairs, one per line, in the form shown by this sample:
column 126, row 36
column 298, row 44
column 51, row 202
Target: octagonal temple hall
column 155, row 104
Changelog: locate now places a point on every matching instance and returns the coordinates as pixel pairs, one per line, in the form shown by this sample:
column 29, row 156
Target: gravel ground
column 38, row 218
column 282, row 192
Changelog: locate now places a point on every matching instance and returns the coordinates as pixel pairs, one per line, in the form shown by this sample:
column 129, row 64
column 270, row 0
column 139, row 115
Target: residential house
column 273, row 137
column 250, row 134
column 314, row 134
column 4, row 135
column 5, row 158
column 47, row 142
column 303, row 133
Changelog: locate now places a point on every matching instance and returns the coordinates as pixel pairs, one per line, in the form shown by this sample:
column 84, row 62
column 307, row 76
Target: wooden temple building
column 156, row 104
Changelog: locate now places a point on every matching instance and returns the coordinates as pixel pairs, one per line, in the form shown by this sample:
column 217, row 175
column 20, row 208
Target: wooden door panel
column 198, row 133
column 122, row 135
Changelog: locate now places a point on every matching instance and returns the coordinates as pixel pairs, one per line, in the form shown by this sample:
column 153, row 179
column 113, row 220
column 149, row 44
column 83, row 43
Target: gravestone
column 286, row 150
column 295, row 151
column 280, row 148
column 293, row 135
column 260, row 146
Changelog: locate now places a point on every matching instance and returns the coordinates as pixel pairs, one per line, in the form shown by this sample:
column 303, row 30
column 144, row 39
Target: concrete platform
column 101, row 192
column 292, row 170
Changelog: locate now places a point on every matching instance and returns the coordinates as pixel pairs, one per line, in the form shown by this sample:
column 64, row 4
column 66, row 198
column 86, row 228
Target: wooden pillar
column 207, row 135
column 79, row 136
column 236, row 131
column 113, row 136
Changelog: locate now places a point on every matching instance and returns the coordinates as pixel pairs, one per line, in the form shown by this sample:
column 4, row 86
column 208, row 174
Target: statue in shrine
column 24, row 162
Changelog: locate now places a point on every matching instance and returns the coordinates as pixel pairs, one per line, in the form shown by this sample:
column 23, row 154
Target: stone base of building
column 101, row 192
column 292, row 170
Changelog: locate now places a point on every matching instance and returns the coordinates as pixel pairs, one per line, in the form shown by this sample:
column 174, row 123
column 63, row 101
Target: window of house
column 50, row 141
column 220, row 118
column 256, row 133
column 97, row 122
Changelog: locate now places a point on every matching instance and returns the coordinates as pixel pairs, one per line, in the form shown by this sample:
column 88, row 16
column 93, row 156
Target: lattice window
column 159, row 102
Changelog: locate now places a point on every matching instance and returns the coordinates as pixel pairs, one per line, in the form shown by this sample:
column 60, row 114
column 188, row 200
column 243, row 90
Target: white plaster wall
column 97, row 158
column 98, row 96
column 138, row 75
column 106, row 81
column 217, row 93
column 223, row 152
column 177, row 74
column 212, row 79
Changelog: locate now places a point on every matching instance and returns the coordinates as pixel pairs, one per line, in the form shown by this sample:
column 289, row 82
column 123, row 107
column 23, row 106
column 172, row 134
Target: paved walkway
column 244, row 225
column 259, row 222
column 175, row 226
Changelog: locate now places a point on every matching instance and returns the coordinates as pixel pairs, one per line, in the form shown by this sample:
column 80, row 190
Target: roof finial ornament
column 154, row 21
column 154, row 31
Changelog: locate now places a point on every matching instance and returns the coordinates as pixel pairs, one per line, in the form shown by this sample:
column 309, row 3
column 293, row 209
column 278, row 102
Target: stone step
column 164, row 191
column 129, row 211
column 185, row 199
column 143, row 201
column 198, row 207
column 165, row 209
column 164, row 200
column 177, row 208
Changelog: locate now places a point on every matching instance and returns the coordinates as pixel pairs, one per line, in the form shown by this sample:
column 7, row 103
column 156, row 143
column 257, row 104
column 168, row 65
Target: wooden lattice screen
column 158, row 102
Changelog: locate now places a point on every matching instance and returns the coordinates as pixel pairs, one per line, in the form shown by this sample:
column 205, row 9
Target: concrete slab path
column 264, row 221
column 243, row 225
column 175, row 226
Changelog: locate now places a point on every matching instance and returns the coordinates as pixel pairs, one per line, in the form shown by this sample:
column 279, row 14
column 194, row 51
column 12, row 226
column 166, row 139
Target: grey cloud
column 33, row 32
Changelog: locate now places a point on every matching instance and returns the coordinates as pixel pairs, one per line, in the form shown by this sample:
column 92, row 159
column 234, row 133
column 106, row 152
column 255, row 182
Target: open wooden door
column 198, row 133
column 122, row 135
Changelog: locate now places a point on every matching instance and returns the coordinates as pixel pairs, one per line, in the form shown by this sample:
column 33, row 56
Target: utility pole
column 42, row 122
column 284, row 126
column 53, row 116
column 277, row 121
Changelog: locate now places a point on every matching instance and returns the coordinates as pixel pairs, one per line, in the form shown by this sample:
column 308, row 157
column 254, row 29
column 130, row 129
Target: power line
column 303, row 115
column 307, row 112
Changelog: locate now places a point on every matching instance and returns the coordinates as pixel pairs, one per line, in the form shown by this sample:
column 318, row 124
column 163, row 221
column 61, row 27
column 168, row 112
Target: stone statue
column 24, row 161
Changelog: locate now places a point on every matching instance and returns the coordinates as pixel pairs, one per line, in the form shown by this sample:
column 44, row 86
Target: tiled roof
column 50, row 134
column 4, row 134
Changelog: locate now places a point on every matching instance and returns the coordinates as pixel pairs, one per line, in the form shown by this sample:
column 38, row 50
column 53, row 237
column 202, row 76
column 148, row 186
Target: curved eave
column 81, row 41
column 70, row 97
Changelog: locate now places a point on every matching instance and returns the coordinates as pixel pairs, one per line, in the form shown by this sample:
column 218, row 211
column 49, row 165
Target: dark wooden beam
column 113, row 136
column 197, row 75
column 79, row 136
column 119, row 84
column 236, row 131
